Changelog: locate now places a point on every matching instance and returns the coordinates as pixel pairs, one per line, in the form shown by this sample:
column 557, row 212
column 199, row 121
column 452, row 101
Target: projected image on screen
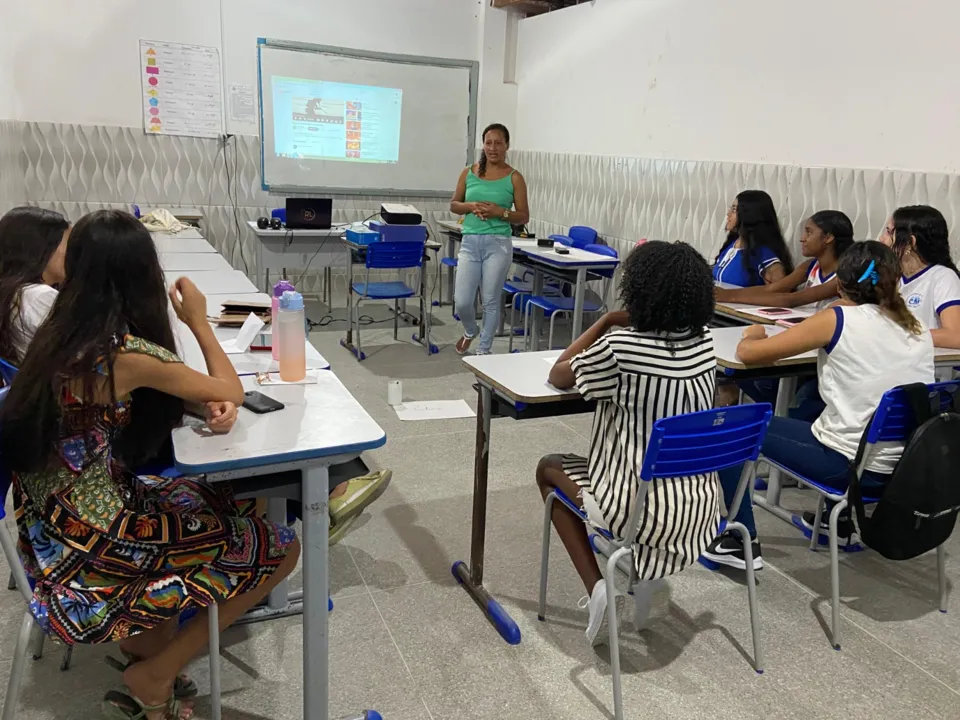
column 318, row 120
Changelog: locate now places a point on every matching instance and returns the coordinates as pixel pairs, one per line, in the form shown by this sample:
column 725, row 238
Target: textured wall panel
column 11, row 178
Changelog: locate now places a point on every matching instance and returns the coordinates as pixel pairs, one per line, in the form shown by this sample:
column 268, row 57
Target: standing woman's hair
column 869, row 274
column 114, row 285
column 28, row 237
column 836, row 223
column 496, row 127
column 758, row 226
column 928, row 226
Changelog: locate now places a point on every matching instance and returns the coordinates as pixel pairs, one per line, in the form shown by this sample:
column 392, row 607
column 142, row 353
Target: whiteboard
column 352, row 121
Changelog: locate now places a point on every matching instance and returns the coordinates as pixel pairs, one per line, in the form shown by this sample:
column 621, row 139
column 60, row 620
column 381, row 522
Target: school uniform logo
column 914, row 300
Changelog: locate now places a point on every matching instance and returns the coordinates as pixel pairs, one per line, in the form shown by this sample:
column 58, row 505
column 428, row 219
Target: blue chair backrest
column 8, row 372
column 602, row 250
column 582, row 236
column 5, row 476
column 279, row 213
column 706, row 441
column 562, row 239
column 894, row 421
column 394, row 255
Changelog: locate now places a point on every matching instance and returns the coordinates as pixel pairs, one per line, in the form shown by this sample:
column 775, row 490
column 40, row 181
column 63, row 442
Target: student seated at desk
column 754, row 252
column 826, row 236
column 33, row 242
column 651, row 361
column 117, row 557
column 869, row 343
column 931, row 282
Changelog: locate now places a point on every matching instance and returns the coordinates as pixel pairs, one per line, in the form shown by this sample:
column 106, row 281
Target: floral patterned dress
column 112, row 554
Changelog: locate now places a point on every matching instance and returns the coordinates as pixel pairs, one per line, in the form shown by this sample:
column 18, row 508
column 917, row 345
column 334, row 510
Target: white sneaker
column 597, row 633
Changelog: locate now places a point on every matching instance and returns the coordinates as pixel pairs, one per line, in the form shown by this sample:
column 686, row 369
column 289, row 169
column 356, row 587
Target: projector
column 397, row 214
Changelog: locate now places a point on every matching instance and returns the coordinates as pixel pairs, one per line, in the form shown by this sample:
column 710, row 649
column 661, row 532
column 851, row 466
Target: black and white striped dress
column 636, row 379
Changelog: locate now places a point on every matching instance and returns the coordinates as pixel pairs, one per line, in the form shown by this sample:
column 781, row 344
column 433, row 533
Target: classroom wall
column 70, row 114
column 646, row 117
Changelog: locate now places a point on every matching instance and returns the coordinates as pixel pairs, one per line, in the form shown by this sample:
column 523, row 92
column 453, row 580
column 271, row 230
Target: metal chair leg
column 553, row 320
column 67, row 658
column 741, row 530
column 12, row 583
column 526, row 327
column 356, row 310
column 213, row 623
column 610, row 579
column 396, row 317
column 815, row 534
column 835, row 573
column 513, row 321
column 942, row 576
column 16, row 669
column 545, row 554
column 36, row 645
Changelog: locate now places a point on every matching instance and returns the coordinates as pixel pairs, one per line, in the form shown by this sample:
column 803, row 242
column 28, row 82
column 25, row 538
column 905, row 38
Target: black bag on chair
column 919, row 506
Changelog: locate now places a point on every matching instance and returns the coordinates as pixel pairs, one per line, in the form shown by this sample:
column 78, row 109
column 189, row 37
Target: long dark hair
column 836, row 223
column 482, row 165
column 757, row 226
column 29, row 236
column 929, row 227
column 114, row 285
column 880, row 287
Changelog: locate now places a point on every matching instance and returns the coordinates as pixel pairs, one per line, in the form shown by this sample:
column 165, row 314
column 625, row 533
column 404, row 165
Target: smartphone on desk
column 790, row 322
column 259, row 403
column 774, row 311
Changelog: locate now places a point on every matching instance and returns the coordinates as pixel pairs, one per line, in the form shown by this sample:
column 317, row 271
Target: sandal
column 463, row 345
column 183, row 687
column 117, row 706
column 360, row 493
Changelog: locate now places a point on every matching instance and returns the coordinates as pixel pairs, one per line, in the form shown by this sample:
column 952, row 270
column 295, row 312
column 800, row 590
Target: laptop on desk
column 309, row 213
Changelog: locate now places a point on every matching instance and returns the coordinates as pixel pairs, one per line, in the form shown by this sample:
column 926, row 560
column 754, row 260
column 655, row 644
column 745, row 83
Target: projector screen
column 333, row 119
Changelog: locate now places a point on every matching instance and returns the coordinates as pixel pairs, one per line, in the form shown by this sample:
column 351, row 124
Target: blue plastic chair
column 27, row 624
column 892, row 422
column 390, row 256
column 679, row 447
column 579, row 236
column 8, row 372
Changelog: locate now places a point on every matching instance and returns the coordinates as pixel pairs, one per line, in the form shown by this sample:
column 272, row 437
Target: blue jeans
column 792, row 443
column 809, row 404
column 483, row 263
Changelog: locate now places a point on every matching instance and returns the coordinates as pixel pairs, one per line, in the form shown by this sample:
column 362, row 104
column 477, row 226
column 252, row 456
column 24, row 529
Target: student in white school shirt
column 651, row 361
column 33, row 243
column 930, row 283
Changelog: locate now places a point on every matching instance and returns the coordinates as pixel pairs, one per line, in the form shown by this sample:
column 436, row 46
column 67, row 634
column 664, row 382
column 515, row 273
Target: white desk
column 179, row 262
column 321, row 425
column 180, row 244
column 215, row 302
column 212, row 282
column 248, row 363
column 280, row 249
column 184, row 214
column 748, row 313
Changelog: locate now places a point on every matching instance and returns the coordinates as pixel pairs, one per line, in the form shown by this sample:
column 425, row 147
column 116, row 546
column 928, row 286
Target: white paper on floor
column 434, row 410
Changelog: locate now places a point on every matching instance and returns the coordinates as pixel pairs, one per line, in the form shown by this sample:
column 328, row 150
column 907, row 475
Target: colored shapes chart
column 181, row 89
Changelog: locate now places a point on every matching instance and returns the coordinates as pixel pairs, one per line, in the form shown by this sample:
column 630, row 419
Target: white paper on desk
column 434, row 410
column 248, row 331
column 311, row 378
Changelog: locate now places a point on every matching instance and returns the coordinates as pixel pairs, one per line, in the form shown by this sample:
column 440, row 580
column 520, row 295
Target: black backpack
column 919, row 506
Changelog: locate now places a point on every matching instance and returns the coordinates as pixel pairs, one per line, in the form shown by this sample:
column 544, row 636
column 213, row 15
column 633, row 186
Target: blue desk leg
column 472, row 578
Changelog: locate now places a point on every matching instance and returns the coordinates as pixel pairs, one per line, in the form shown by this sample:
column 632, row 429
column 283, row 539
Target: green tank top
column 499, row 192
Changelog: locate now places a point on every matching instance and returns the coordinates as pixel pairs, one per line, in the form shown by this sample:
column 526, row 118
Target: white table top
column 451, row 225
column 178, row 262
column 575, row 258
column 522, row 377
column 189, row 233
column 215, row 282
column 335, row 231
column 248, row 363
column 750, row 313
column 215, row 302
column 181, row 244
column 318, row 421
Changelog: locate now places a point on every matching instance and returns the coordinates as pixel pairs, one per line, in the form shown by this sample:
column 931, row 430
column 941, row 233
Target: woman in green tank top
column 492, row 196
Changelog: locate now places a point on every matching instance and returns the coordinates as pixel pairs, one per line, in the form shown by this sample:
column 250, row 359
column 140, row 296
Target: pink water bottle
column 292, row 339
column 278, row 290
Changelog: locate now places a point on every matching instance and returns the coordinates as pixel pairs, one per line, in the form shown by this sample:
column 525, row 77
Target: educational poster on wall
column 182, row 89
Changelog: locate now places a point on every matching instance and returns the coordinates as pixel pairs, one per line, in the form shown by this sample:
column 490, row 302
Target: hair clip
column 870, row 273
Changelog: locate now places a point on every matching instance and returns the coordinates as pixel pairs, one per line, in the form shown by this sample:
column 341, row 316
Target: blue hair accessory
column 870, row 273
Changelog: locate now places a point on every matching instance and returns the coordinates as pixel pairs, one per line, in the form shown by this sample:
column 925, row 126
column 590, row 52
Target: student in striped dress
column 654, row 359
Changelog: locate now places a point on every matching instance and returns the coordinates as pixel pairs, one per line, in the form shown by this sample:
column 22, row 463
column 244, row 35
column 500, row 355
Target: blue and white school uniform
column 815, row 278
column 930, row 292
column 730, row 267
